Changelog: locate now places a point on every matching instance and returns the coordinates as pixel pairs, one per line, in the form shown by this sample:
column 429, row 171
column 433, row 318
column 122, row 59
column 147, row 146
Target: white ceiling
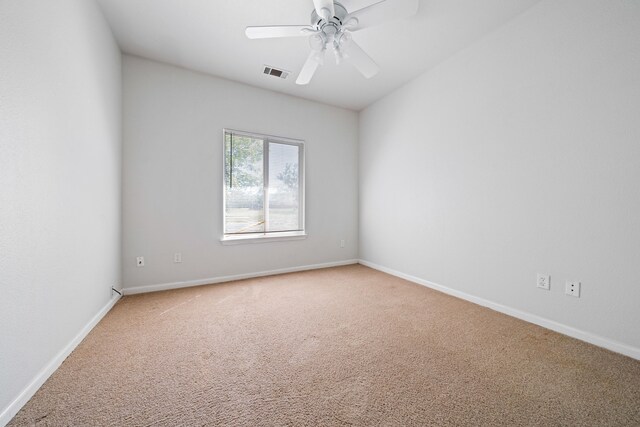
column 208, row 36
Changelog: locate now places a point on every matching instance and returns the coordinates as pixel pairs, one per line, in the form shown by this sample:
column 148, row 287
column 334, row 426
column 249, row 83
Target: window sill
column 263, row 238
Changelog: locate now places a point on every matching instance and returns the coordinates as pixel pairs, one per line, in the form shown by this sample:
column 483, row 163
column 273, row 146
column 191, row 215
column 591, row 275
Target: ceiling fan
column 331, row 27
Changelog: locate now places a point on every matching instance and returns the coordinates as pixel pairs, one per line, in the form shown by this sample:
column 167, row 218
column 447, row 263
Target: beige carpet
column 340, row 346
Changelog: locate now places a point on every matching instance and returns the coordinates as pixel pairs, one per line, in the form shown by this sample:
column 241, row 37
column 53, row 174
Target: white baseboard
column 221, row 279
column 10, row 411
column 597, row 340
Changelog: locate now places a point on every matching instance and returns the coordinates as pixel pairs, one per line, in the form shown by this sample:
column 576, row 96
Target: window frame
column 265, row 236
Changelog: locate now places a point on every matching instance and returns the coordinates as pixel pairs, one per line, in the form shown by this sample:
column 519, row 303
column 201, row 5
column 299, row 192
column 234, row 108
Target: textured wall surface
column 519, row 155
column 60, row 179
column 172, row 176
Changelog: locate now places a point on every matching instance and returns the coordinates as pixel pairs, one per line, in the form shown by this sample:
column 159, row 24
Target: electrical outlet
column 342, row 243
column 544, row 281
column 177, row 258
column 140, row 261
column 572, row 288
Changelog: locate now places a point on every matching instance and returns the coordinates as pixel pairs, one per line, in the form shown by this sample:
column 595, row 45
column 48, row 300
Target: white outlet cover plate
column 572, row 289
column 543, row 281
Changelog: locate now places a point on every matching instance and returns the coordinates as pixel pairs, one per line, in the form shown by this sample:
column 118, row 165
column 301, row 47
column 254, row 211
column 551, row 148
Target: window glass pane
column 244, row 184
column 284, row 182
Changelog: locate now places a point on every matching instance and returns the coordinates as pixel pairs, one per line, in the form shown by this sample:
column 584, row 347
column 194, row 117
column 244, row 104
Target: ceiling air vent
column 275, row 72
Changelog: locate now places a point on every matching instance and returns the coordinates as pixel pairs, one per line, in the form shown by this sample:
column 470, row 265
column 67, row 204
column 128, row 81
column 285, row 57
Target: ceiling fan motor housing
column 333, row 24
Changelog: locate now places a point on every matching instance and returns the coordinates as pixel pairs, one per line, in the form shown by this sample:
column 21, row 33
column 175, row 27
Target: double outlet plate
column 177, row 258
column 570, row 288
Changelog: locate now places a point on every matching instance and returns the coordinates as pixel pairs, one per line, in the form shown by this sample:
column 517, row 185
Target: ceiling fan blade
column 380, row 12
column 308, row 69
column 273, row 31
column 327, row 5
column 359, row 59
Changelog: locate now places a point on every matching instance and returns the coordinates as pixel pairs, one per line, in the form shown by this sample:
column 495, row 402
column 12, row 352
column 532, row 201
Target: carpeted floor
column 339, row 346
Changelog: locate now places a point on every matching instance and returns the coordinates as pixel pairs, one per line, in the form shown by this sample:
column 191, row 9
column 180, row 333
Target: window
column 263, row 187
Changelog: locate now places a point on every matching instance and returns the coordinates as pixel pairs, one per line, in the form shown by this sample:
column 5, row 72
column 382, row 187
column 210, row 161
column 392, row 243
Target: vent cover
column 275, row 72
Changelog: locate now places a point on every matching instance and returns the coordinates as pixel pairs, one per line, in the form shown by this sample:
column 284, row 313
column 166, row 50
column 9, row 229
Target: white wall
column 172, row 174
column 519, row 155
column 60, row 160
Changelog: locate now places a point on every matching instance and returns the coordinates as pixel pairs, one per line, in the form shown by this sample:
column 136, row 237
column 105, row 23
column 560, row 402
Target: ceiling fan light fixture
column 318, row 56
column 318, row 41
column 344, row 40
